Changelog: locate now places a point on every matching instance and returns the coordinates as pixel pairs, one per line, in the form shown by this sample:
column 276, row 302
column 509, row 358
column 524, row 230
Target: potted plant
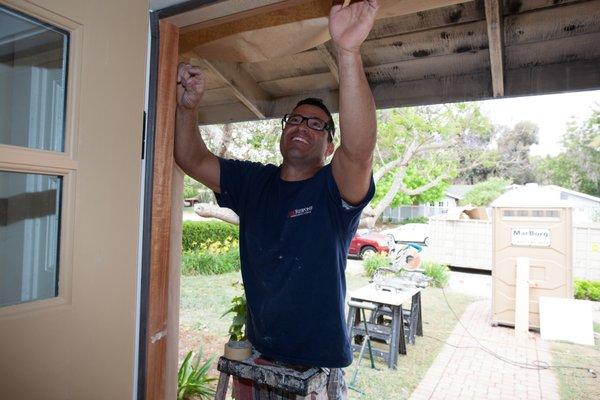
column 237, row 348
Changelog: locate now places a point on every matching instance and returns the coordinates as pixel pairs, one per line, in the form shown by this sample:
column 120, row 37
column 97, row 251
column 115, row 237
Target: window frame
column 45, row 162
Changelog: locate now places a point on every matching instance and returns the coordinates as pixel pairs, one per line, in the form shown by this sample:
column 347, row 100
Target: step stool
column 258, row 379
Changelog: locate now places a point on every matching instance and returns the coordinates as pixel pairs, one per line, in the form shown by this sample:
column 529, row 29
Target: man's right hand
column 190, row 86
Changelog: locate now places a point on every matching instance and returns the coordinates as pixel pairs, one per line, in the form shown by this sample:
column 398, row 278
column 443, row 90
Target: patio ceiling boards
column 260, row 57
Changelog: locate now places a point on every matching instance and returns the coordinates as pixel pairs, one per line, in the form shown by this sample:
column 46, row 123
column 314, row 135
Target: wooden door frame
column 161, row 233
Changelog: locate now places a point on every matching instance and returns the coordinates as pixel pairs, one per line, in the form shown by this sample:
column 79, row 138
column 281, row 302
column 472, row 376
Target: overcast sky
column 550, row 113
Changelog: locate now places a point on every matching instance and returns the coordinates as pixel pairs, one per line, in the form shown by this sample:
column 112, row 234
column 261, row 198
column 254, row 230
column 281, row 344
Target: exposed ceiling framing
column 493, row 15
column 421, row 52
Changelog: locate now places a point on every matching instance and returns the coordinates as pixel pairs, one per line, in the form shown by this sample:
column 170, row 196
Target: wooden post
column 522, row 297
column 160, row 357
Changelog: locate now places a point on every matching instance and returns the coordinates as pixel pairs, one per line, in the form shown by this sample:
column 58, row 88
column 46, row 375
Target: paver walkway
column 468, row 372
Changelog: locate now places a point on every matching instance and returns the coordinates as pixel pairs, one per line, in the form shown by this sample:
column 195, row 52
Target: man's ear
column 329, row 150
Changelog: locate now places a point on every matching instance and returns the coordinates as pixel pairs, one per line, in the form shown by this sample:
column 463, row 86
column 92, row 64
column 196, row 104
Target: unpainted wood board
column 156, row 336
column 494, row 18
column 431, row 19
column 299, row 84
column 453, row 64
column 327, row 55
column 455, row 39
column 242, row 85
column 299, row 12
column 284, row 105
column 448, row 89
column 225, row 11
column 513, row 7
column 577, row 48
column 304, row 63
column 474, row 86
column 553, row 78
column 224, row 113
column 553, row 23
column 218, row 96
column 424, row 68
column 522, row 297
column 172, row 348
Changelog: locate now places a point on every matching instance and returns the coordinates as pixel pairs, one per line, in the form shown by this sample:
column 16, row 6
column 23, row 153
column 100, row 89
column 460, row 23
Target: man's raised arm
column 352, row 163
column 191, row 153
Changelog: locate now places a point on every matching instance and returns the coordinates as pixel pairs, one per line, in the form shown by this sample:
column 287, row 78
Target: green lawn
column 577, row 384
column 205, row 298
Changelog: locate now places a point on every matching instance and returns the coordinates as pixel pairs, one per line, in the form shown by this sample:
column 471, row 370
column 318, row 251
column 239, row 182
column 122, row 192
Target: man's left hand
column 349, row 26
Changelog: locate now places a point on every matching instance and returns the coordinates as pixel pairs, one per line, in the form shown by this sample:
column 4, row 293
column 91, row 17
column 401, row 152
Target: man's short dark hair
column 314, row 101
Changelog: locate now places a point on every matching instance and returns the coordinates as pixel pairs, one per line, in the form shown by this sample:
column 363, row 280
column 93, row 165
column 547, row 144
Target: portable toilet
column 535, row 223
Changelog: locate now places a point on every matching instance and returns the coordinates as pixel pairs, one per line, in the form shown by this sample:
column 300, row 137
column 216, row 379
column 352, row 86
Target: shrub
column 483, row 193
column 374, row 261
column 193, row 380
column 211, row 257
column 587, row 289
column 437, row 272
column 202, row 231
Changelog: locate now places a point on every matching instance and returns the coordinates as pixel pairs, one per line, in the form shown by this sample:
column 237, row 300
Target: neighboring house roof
column 574, row 193
column 458, row 192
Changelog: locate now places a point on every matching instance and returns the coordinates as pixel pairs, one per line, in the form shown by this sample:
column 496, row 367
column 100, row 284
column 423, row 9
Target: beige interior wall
column 82, row 347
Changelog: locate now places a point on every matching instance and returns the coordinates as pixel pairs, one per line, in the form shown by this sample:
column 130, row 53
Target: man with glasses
column 297, row 219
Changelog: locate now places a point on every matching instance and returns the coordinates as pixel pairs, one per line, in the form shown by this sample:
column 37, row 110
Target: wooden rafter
column 244, row 88
column 330, row 60
column 493, row 16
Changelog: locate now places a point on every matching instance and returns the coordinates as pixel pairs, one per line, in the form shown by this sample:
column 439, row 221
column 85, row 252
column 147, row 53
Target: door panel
column 80, row 344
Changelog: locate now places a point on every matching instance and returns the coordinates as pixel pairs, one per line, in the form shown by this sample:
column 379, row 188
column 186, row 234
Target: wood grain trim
column 156, row 340
column 251, row 21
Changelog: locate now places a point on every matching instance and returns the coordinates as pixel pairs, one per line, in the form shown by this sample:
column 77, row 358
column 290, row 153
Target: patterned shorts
column 336, row 385
column 336, row 390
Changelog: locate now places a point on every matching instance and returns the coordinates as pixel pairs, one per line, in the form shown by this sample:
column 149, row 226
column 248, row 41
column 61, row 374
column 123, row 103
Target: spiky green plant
column 193, row 381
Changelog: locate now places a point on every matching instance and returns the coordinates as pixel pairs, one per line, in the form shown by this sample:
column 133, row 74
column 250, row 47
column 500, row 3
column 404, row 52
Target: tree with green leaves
column 514, row 146
column 420, row 150
column 577, row 167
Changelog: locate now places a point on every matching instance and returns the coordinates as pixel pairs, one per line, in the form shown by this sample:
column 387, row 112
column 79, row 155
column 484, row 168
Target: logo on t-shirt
column 300, row 211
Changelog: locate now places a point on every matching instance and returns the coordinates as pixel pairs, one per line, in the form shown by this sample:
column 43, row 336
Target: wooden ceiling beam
column 244, row 88
column 329, row 59
column 493, row 16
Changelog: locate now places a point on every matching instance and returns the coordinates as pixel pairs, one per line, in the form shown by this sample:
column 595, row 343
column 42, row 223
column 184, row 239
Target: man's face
column 299, row 142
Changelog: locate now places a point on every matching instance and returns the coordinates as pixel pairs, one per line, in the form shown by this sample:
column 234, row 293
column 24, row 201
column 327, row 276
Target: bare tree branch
column 225, row 140
column 209, row 210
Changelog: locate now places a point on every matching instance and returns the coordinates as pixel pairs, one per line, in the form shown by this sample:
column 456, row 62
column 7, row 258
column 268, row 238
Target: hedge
column 201, row 231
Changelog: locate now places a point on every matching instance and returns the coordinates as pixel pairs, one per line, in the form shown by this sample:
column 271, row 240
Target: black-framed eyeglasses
column 313, row 123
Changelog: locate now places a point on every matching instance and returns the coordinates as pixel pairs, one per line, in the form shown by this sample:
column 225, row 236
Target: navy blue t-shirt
column 294, row 239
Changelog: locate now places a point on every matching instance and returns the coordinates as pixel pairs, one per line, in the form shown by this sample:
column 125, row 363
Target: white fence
column 461, row 243
column 586, row 251
column 399, row 214
column 468, row 244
